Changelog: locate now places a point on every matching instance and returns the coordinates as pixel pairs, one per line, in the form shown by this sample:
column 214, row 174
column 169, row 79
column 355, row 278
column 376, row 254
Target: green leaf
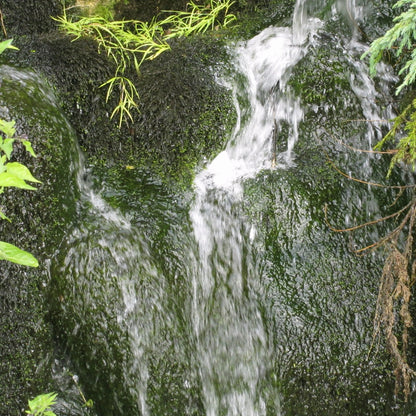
column 7, row 44
column 20, row 171
column 16, row 255
column 3, row 161
column 7, row 147
column 7, row 127
column 7, row 179
column 3, row 217
column 28, row 147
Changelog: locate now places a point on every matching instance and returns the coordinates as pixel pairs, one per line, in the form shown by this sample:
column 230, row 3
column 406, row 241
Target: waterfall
column 233, row 350
column 187, row 322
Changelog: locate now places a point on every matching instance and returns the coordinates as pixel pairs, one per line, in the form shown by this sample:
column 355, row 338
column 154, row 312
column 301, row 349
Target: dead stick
column 2, row 24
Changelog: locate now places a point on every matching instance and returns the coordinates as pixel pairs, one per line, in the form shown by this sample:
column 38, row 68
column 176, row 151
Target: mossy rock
column 184, row 114
column 38, row 221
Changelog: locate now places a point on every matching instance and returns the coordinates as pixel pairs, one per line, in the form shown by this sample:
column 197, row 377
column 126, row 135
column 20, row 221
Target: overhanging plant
column 128, row 43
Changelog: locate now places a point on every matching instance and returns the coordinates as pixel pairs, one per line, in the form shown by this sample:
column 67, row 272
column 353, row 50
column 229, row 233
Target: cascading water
column 232, row 344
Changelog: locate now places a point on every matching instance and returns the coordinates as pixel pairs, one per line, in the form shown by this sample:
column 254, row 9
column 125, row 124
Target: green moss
column 321, row 76
column 18, row 21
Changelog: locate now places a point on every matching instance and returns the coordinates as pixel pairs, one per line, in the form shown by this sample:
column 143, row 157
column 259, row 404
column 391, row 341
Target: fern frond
column 397, row 40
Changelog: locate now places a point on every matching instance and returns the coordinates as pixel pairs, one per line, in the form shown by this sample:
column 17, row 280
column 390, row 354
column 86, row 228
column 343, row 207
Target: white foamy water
column 232, row 346
column 265, row 61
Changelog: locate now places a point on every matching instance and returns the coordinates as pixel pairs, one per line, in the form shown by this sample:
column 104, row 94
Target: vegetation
column 41, row 405
column 15, row 175
column 130, row 43
column 399, row 272
column 399, row 43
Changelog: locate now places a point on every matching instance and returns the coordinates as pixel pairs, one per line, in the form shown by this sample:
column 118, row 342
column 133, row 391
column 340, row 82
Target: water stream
column 233, row 348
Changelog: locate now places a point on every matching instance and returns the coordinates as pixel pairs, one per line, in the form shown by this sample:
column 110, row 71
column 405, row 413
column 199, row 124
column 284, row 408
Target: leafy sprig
column 398, row 40
column 131, row 42
column 41, row 405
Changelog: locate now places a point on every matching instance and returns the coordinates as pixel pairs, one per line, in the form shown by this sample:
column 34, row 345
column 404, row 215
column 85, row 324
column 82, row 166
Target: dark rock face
column 145, row 10
column 27, row 17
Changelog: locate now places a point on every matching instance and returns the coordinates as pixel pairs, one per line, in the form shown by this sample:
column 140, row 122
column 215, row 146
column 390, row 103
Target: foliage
column 130, row 42
column 399, row 41
column 41, row 405
column 198, row 19
column 124, row 42
column 13, row 174
column 406, row 147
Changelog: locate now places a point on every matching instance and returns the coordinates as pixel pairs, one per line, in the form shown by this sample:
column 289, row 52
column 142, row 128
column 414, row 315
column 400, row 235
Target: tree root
column 394, row 295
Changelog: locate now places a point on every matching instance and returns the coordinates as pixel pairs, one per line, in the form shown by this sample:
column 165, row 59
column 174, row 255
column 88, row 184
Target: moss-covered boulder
column 183, row 116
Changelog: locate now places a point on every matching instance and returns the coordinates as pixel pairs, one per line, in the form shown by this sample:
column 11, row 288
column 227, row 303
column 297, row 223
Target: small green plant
column 15, row 175
column 131, row 42
column 41, row 405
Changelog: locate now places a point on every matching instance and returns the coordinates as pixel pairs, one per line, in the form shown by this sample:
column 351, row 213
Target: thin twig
column 365, row 120
column 376, row 152
column 357, row 227
column 379, row 185
column 399, row 194
column 2, row 24
column 391, row 235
